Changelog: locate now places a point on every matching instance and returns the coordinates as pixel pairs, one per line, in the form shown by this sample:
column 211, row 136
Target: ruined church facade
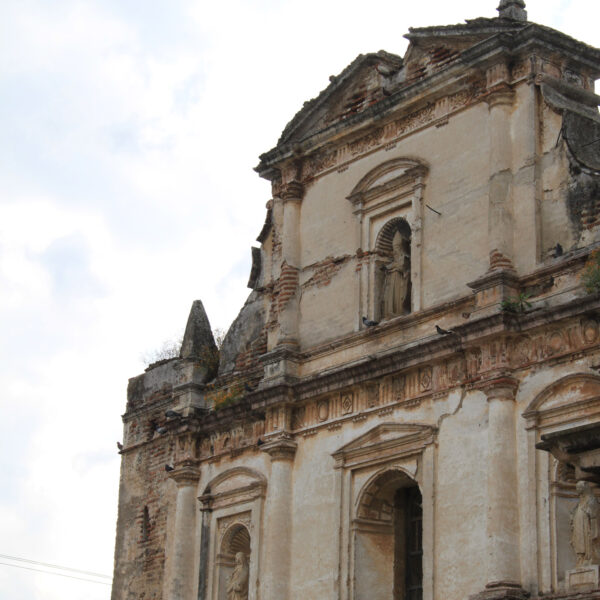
column 408, row 405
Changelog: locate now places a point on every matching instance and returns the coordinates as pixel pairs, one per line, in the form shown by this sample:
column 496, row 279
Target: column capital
column 501, row 387
column 186, row 473
column 283, row 447
column 292, row 190
column 500, row 95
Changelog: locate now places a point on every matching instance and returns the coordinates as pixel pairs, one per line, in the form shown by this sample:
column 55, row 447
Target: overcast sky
column 129, row 130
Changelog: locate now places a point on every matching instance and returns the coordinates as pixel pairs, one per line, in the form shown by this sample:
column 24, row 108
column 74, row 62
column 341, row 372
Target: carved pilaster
column 291, row 194
column 282, row 450
column 500, row 99
column 181, row 582
column 502, row 519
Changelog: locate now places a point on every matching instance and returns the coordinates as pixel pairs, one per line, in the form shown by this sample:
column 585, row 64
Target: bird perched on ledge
column 120, row 446
column 368, row 323
column 169, row 468
column 445, row 331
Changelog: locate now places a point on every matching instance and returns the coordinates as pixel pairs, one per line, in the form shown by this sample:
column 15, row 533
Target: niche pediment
column 385, row 441
column 359, row 86
column 234, row 486
column 392, row 180
column 575, row 398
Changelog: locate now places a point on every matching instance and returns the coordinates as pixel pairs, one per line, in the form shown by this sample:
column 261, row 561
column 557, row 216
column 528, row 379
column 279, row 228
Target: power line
column 43, row 564
column 59, row 574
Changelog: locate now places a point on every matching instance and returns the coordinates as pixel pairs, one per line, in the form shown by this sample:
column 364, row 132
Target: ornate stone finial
column 512, row 9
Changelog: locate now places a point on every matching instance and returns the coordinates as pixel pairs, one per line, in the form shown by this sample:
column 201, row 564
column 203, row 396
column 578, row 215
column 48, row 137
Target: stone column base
column 582, row 578
column 501, row 590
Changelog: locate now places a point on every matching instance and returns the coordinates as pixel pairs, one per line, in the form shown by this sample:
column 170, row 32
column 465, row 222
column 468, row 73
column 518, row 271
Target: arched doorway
column 388, row 548
column 236, row 540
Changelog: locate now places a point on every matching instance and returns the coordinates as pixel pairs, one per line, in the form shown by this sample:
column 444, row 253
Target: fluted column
column 500, row 100
column 291, row 195
column 278, row 519
column 180, row 585
column 502, row 519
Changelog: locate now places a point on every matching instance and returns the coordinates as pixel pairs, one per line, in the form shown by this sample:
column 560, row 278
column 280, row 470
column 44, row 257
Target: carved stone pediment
column 393, row 179
column 384, row 442
column 358, row 87
column 575, row 398
column 234, row 486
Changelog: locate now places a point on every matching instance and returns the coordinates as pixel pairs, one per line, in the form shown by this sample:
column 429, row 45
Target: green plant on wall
column 516, row 305
column 225, row 396
column 591, row 273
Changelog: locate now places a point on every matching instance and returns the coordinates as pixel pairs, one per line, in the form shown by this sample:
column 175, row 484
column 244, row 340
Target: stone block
column 583, row 578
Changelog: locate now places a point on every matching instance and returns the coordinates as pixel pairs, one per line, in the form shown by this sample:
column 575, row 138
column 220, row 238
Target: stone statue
column 585, row 534
column 397, row 279
column 237, row 584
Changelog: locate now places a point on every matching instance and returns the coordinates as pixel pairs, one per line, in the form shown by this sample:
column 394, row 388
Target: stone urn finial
column 512, row 9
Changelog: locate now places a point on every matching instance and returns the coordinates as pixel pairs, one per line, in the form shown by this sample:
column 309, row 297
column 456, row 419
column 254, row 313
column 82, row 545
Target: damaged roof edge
column 512, row 41
column 335, row 80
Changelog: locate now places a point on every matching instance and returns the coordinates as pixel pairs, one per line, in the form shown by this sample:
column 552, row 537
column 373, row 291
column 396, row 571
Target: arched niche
column 388, row 200
column 393, row 286
column 570, row 404
column 232, row 510
column 235, row 544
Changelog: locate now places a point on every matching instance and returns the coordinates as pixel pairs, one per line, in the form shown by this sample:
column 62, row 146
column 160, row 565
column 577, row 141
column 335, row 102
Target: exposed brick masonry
column 325, row 270
column 288, row 284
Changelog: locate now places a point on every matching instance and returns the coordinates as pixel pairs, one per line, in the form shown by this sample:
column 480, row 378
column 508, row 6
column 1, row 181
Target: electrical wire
column 43, row 564
column 59, row 574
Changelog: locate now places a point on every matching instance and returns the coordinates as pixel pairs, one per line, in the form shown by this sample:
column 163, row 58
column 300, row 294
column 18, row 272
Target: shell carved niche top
column 389, row 181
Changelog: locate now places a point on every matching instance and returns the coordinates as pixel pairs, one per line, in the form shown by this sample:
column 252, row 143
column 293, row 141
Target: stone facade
column 407, row 401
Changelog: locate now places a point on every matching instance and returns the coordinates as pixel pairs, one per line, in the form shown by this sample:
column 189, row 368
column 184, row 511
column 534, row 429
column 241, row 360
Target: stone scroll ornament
column 397, row 279
column 237, row 584
column 585, row 527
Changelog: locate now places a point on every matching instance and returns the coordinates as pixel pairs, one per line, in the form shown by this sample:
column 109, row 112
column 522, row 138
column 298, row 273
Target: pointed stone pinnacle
column 198, row 336
column 512, row 9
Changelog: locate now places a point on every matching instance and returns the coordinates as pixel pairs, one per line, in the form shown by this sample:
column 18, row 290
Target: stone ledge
column 502, row 590
column 588, row 595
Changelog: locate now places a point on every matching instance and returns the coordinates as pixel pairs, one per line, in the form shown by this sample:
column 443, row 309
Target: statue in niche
column 396, row 282
column 585, row 526
column 237, row 584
